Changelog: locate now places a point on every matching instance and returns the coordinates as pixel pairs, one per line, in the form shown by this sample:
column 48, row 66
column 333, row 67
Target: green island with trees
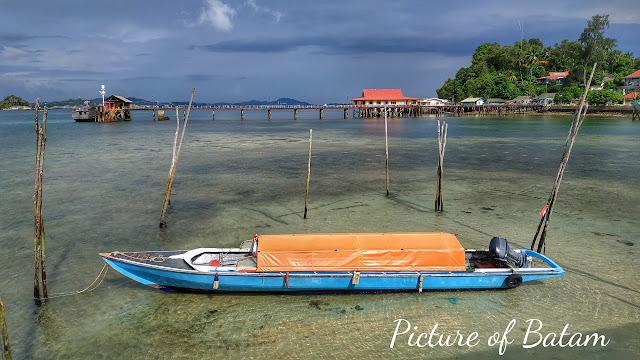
column 510, row 71
column 11, row 101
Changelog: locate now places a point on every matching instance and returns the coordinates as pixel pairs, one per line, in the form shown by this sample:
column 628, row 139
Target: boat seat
column 247, row 263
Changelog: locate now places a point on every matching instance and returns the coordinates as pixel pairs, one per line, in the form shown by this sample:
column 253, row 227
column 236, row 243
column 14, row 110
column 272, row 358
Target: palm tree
column 615, row 57
column 546, row 53
column 521, row 61
column 532, row 59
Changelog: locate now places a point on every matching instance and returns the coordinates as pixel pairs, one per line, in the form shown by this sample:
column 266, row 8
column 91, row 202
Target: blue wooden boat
column 358, row 262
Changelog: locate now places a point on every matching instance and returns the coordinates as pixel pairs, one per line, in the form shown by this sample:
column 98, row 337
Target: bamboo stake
column 173, row 156
column 306, row 197
column 442, row 142
column 43, row 271
column 174, row 160
column 5, row 336
column 578, row 118
column 386, row 146
column 40, row 274
column 36, row 212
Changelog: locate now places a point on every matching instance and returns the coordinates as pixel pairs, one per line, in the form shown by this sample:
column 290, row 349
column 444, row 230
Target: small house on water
column 382, row 97
column 115, row 108
column 471, row 101
column 495, row 101
column 545, row 99
column 433, row 102
column 630, row 98
column 521, row 100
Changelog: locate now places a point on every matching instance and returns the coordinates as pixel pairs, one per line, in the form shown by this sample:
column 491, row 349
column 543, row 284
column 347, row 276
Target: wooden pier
column 362, row 111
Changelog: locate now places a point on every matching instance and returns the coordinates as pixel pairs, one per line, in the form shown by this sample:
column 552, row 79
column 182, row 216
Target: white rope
column 103, row 274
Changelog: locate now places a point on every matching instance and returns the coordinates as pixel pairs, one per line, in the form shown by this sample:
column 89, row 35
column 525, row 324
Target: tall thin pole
column 36, row 212
column 174, row 160
column 571, row 137
column 40, row 274
column 386, row 146
column 43, row 271
column 442, row 143
column 306, row 197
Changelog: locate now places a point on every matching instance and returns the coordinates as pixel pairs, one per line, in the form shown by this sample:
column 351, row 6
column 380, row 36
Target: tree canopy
column 510, row 71
column 603, row 97
column 13, row 100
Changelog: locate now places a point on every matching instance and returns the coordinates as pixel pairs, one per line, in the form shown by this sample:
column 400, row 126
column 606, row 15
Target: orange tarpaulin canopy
column 363, row 252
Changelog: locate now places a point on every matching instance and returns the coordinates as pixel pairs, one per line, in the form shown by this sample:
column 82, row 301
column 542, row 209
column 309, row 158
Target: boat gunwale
column 552, row 270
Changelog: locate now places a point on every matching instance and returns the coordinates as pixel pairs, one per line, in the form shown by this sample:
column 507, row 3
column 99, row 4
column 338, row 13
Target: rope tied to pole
column 101, row 275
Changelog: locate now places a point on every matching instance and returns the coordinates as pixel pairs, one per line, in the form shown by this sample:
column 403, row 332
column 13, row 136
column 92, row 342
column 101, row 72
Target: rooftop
column 383, row 94
column 118, row 98
column 556, row 75
column 546, row 96
column 633, row 75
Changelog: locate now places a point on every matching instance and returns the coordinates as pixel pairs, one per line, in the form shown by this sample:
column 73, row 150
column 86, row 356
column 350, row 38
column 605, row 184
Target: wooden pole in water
column 442, row 142
column 578, row 118
column 36, row 213
column 174, row 160
column 386, row 147
column 306, row 197
column 40, row 274
column 6, row 351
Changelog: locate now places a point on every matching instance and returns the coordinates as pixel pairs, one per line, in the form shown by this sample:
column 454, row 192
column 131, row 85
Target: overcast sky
column 315, row 51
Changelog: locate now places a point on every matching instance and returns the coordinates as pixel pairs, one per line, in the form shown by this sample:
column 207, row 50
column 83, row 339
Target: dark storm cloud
column 19, row 38
column 341, row 46
column 213, row 77
column 549, row 31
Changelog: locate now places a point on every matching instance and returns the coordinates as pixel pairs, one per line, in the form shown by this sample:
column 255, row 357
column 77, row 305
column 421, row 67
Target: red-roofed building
column 631, row 82
column 381, row 97
column 630, row 98
column 554, row 76
column 635, row 75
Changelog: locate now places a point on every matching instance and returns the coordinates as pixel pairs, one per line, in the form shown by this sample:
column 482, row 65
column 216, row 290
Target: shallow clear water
column 103, row 190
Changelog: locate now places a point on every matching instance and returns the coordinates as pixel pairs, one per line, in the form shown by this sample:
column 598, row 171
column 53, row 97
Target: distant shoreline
column 589, row 113
column 614, row 110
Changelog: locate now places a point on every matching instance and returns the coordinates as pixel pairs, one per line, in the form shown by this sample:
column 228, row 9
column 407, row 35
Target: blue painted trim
column 328, row 281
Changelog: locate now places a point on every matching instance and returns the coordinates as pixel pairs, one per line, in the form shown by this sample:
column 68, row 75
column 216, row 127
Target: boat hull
column 162, row 277
column 84, row 114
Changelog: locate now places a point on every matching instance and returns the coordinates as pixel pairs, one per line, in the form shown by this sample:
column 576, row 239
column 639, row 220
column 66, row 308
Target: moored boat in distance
column 84, row 113
column 361, row 262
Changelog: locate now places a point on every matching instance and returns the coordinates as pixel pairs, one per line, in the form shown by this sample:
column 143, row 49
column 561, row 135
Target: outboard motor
column 500, row 248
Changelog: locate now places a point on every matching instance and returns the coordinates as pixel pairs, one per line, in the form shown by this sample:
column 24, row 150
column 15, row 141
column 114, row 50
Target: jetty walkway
column 358, row 111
